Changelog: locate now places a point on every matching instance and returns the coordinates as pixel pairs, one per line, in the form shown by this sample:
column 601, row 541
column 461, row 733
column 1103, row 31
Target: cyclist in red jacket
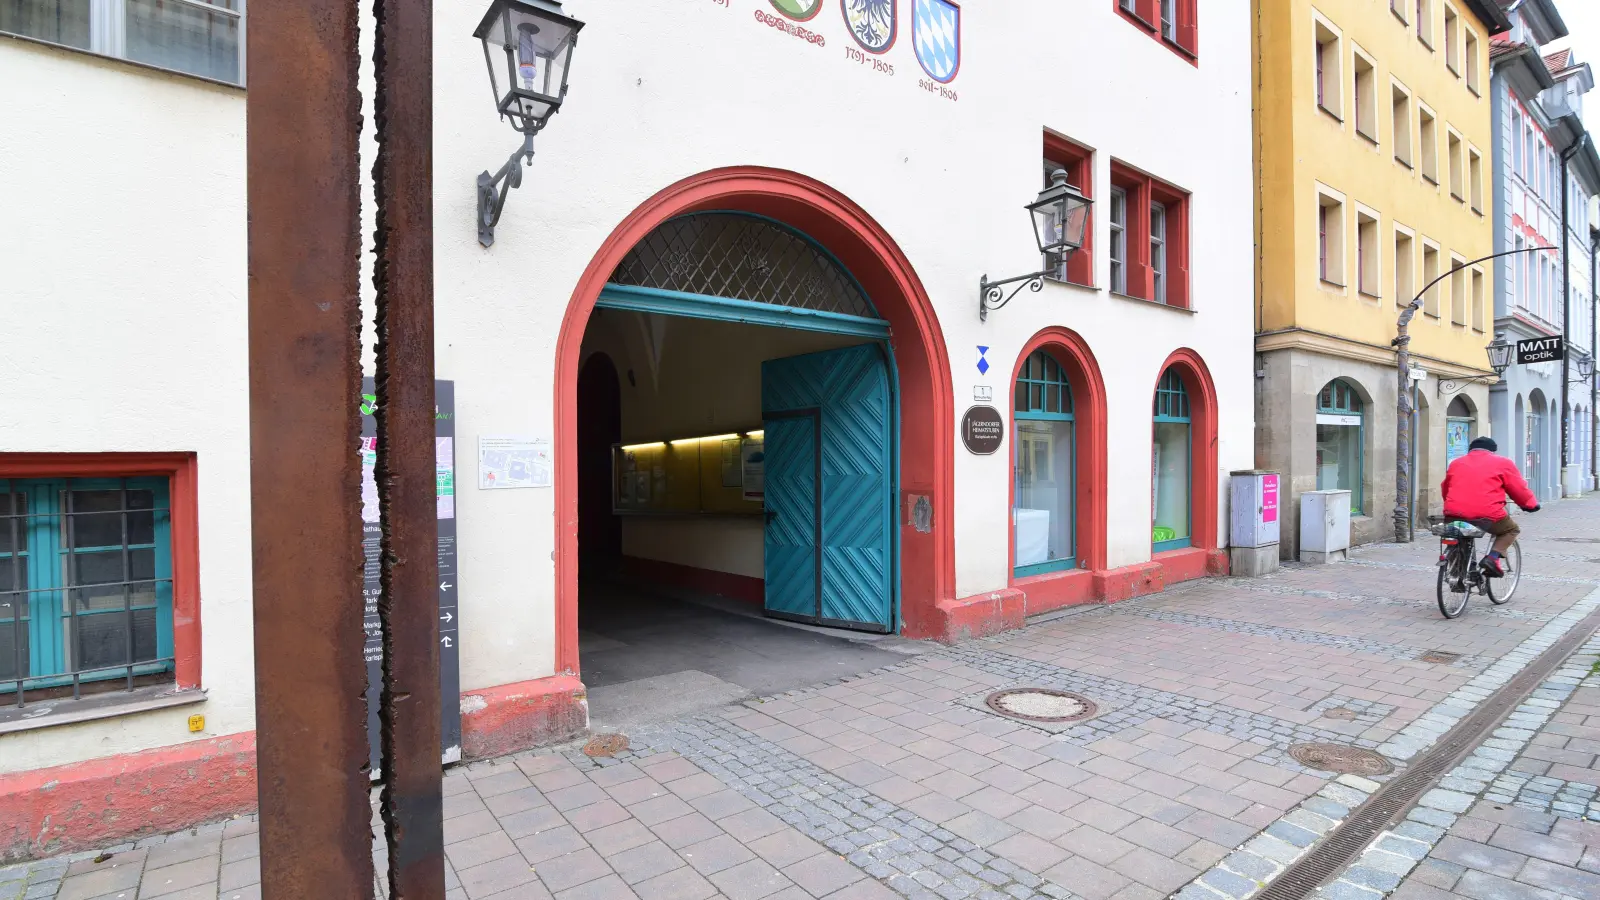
column 1475, row 489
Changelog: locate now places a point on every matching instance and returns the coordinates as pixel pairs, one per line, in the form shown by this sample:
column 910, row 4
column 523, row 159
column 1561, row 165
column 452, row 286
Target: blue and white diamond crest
column 983, row 364
column 936, row 32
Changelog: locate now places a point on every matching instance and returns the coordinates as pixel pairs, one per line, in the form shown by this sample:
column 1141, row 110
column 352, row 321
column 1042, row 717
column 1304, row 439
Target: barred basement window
column 195, row 37
column 85, row 584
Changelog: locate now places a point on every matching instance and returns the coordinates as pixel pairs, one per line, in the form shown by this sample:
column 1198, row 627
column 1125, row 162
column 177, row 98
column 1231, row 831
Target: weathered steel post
column 303, row 133
column 408, row 714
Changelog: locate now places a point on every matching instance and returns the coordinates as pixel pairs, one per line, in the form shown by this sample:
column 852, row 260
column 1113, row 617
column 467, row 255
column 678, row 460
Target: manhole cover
column 1439, row 656
column 1041, row 705
column 1341, row 758
column 1340, row 712
column 606, row 745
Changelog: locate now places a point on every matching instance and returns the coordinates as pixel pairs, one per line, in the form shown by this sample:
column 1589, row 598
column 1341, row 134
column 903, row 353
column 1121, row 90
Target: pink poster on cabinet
column 1269, row 498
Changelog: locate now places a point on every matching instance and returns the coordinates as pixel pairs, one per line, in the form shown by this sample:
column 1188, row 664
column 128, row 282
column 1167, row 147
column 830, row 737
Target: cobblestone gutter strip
column 1415, row 567
column 1264, row 585
column 1377, row 648
column 1246, row 871
column 1395, row 852
column 910, row 854
column 1126, row 705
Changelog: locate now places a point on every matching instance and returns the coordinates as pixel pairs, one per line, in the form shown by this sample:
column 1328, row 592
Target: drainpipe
column 1566, row 313
column 1594, row 350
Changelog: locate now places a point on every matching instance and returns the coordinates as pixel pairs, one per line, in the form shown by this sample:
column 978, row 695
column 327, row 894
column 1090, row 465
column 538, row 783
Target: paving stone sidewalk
column 1535, row 832
column 901, row 783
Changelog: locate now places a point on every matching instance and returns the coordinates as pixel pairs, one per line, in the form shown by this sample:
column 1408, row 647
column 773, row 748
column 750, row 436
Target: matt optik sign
column 1539, row 350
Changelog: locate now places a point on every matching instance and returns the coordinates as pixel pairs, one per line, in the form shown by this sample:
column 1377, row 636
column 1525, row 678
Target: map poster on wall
column 444, row 433
column 514, row 462
column 753, row 467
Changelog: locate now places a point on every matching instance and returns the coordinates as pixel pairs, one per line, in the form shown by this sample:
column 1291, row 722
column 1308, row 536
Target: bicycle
column 1461, row 568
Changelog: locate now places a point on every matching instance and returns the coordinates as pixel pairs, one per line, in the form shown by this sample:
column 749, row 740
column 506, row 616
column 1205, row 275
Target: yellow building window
column 1401, row 129
column 1404, row 268
column 1427, row 137
column 1430, row 272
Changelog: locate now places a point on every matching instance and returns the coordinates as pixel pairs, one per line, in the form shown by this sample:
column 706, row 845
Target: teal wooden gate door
column 828, row 426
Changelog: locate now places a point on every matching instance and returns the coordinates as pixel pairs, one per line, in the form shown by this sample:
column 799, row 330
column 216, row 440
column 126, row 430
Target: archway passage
column 658, row 249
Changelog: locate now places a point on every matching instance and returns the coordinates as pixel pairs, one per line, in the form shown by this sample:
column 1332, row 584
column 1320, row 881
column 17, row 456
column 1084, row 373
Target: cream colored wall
column 122, row 279
column 1324, row 150
column 692, row 378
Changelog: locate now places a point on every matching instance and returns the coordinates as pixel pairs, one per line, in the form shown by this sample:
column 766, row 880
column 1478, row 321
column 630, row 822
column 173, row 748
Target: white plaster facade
column 125, row 263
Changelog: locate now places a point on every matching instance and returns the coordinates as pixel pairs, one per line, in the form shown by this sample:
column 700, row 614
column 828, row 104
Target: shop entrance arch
column 916, row 512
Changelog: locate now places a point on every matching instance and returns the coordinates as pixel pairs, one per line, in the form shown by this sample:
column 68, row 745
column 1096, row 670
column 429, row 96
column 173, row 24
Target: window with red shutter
column 1173, row 23
column 1078, row 161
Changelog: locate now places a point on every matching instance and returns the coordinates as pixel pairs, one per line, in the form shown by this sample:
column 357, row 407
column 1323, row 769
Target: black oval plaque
column 982, row 429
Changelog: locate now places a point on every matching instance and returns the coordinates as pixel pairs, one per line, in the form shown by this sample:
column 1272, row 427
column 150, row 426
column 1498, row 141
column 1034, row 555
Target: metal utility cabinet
column 1254, row 522
column 1324, row 526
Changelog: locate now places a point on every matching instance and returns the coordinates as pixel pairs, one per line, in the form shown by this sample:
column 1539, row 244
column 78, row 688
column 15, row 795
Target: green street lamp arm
column 1402, row 448
column 1416, row 302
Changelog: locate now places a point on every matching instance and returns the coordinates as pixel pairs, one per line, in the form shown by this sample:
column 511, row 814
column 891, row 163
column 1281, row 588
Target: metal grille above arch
column 740, row 256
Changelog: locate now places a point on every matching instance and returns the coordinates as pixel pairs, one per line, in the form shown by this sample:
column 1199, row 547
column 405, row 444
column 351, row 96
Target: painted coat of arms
column 798, row 10
column 871, row 22
column 936, row 33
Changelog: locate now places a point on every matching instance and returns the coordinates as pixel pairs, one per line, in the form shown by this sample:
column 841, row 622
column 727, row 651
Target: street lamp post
column 1060, row 216
column 1499, row 359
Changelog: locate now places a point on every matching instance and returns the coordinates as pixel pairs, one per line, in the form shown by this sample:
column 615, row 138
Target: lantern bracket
column 993, row 295
column 494, row 189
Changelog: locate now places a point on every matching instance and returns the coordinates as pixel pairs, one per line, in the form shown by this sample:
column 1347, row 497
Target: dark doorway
column 599, row 427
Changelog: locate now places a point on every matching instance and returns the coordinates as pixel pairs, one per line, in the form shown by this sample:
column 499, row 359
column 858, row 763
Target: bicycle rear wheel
column 1500, row 589
column 1451, row 574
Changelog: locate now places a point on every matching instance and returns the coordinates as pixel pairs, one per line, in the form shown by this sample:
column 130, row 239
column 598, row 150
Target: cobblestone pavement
column 1534, row 832
column 901, row 782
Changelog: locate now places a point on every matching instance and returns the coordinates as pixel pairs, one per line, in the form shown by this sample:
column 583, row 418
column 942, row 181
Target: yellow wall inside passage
column 1308, row 156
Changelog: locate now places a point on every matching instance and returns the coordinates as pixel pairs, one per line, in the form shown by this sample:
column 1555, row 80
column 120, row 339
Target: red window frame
column 1078, row 160
column 1143, row 190
column 1146, row 15
column 182, row 472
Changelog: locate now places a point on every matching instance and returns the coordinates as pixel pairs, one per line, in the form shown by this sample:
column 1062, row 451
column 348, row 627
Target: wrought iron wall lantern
column 1583, row 364
column 1060, row 216
column 1500, row 353
column 536, row 38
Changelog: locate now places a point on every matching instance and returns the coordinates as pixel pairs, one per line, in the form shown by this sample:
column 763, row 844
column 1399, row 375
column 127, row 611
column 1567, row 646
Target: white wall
column 122, row 279
column 122, row 208
column 663, row 91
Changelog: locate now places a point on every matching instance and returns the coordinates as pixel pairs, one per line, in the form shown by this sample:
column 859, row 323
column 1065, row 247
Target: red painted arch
column 927, row 433
column 1203, row 443
column 1089, row 513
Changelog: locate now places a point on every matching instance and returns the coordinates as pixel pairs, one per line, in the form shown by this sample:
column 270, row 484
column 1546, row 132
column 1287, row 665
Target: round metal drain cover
column 1341, row 758
column 1343, row 713
column 1041, row 705
column 606, row 745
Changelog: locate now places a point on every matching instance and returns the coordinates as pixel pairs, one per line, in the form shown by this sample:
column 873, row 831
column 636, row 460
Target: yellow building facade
column 1373, row 143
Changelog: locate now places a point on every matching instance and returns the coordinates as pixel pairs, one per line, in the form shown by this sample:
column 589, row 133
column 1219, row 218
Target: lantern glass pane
column 1047, row 226
column 1076, row 221
column 539, row 48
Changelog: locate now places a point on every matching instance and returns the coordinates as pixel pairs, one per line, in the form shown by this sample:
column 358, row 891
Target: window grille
column 1172, row 399
column 742, row 257
column 1043, row 388
column 85, row 585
